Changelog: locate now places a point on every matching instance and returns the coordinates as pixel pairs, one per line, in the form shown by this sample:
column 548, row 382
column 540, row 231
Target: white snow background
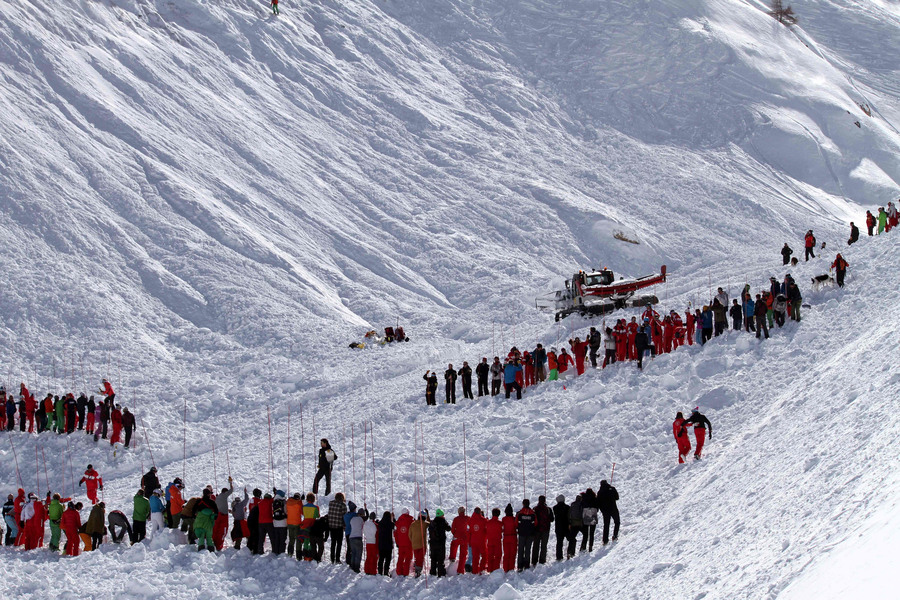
column 208, row 203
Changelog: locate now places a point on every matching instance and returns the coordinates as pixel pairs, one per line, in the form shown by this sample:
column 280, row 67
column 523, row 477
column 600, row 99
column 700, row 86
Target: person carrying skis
column 606, row 502
column 327, row 456
column 465, row 374
column 700, row 423
column 481, row 372
column 431, row 384
column 840, row 269
column 854, row 234
column 92, row 481
column 810, row 243
column 496, row 376
column 679, row 430
column 450, row 385
column 786, row 254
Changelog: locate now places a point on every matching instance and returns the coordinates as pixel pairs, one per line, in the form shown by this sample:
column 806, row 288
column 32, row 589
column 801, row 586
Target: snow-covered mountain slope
column 207, row 203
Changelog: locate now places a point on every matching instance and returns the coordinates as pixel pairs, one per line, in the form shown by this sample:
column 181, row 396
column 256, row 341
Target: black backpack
column 278, row 512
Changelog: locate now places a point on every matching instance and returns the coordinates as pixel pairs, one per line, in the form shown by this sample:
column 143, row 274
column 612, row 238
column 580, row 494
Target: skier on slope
column 92, row 481
column 679, row 430
column 431, row 384
column 700, row 423
column 327, row 456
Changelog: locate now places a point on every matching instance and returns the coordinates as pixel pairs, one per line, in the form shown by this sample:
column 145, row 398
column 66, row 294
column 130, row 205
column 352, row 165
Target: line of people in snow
column 65, row 414
column 296, row 526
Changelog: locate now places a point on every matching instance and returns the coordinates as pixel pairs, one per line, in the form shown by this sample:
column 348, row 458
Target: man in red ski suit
column 460, row 530
column 679, row 430
column 656, row 332
column 631, row 334
column 563, row 361
column 678, row 331
column 70, row 523
column 494, row 541
column 91, row 481
column 404, row 545
column 18, row 504
column 116, row 418
column 668, row 334
column 477, row 540
column 620, row 334
column 30, row 405
column 34, row 515
column 649, row 313
column 528, row 363
column 580, row 350
column 510, row 540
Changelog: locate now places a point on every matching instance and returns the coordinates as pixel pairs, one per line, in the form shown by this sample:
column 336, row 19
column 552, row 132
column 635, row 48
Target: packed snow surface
column 207, row 203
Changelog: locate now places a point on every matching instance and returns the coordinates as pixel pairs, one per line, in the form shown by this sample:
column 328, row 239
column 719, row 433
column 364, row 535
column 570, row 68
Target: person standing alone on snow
column 327, row 456
column 786, row 254
column 810, row 242
column 274, row 6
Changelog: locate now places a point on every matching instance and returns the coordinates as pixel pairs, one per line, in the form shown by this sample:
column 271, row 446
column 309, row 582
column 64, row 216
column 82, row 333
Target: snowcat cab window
column 604, row 277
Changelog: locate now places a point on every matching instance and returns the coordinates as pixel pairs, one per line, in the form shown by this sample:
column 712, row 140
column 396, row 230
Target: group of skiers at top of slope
column 65, row 414
column 296, row 525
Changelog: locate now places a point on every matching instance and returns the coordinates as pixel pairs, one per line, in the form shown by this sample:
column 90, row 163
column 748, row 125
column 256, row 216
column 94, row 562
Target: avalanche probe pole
column 147, row 439
column 289, row 451
column 465, row 469
column 302, row 451
column 524, row 495
column 613, row 474
column 228, row 462
column 183, row 443
column 215, row 471
column 545, row 469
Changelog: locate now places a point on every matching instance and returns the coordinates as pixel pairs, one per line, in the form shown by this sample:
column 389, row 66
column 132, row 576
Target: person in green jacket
column 203, row 529
column 54, row 514
column 139, row 516
column 882, row 220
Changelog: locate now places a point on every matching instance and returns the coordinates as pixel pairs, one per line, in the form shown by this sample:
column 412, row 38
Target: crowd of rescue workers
column 483, row 541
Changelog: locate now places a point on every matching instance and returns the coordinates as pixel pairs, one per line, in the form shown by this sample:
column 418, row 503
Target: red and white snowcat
column 599, row 293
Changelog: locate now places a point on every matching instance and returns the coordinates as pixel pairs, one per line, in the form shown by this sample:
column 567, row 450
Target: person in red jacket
column 656, row 332
column 649, row 313
column 404, row 545
column 34, row 514
column 579, row 349
column 116, row 418
column 510, row 540
column 30, row 405
column 630, row 335
column 620, row 334
column 70, row 523
column 564, row 361
column 870, row 222
column 810, row 241
column 107, row 390
column 460, row 530
column 679, row 430
column 678, row 332
column 494, row 530
column 478, row 540
column 18, row 505
column 528, row 363
column 689, row 322
column 668, row 334
column 91, row 481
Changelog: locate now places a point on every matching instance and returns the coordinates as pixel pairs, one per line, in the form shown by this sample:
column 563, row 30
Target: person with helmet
column 92, row 481
column 156, row 513
column 437, row 536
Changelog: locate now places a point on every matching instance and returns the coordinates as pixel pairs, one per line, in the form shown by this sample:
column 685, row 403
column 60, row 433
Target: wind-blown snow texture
column 208, row 203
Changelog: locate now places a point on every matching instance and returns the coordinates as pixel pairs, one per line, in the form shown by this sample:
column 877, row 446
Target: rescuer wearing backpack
column 327, row 456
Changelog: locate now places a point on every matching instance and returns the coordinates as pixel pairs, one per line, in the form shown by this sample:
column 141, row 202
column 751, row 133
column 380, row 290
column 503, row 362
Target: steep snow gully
column 206, row 203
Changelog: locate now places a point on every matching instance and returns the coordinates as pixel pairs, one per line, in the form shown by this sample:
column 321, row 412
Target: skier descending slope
column 679, row 429
column 700, row 423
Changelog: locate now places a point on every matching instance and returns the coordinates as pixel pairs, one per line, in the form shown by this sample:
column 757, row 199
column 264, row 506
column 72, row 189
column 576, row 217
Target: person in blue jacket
column 156, row 513
column 509, row 378
column 707, row 321
column 749, row 311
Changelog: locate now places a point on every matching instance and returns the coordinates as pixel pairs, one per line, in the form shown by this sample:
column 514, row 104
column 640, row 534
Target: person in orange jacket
column 510, row 540
column 579, row 349
column 478, row 540
column 494, row 529
column 404, row 545
column 176, row 501
column 840, row 269
column 91, row 481
column 70, row 523
column 679, row 430
column 460, row 530
column 294, row 509
column 552, row 365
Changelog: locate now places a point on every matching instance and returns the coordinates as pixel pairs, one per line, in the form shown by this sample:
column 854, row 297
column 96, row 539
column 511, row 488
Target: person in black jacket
column 385, row 543
column 539, row 358
column 150, row 482
column 642, row 343
column 760, row 311
column 736, row 314
column 128, row 425
column 543, row 520
column 482, row 371
column 606, row 502
column 22, row 409
column 82, row 405
column 318, row 533
column 430, row 388
column 327, row 456
column 786, row 254
column 700, row 423
column 561, row 518
column 594, row 340
column 854, row 234
column 450, row 385
column 437, row 537
column 526, row 527
column 466, row 374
